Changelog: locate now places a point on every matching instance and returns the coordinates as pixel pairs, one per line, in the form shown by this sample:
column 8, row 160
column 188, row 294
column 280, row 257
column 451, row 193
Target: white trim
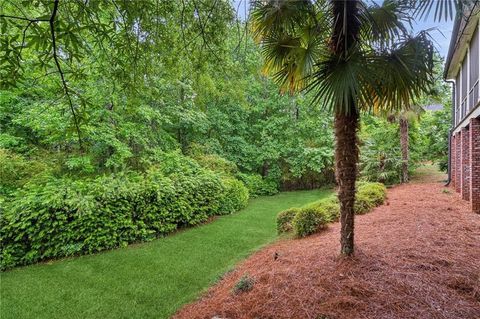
column 460, row 98
column 475, row 113
column 467, row 104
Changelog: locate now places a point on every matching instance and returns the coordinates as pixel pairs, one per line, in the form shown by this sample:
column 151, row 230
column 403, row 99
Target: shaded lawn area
column 428, row 172
column 150, row 280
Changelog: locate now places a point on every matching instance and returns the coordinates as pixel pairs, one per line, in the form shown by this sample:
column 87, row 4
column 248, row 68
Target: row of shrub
column 62, row 216
column 256, row 184
column 315, row 216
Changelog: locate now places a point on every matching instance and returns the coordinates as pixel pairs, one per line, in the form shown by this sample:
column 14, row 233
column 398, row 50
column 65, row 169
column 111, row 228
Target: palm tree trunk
column 404, row 148
column 346, row 30
column 346, row 157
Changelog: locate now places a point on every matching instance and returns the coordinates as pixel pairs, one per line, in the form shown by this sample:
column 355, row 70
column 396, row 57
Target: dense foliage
column 131, row 127
column 65, row 216
column 434, row 130
column 285, row 218
column 142, row 117
column 380, row 153
column 315, row 216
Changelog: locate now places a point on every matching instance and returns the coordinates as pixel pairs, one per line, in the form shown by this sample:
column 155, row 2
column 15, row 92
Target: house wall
column 467, row 86
column 475, row 164
column 465, row 147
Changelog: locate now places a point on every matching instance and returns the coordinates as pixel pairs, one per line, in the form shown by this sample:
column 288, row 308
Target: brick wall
column 453, row 180
column 474, row 153
column 465, row 164
column 458, row 138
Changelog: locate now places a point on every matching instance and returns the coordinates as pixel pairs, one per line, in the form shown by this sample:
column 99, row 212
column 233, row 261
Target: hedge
column 329, row 207
column 234, row 197
column 257, row 185
column 368, row 196
column 285, row 218
column 64, row 217
column 314, row 216
column 308, row 221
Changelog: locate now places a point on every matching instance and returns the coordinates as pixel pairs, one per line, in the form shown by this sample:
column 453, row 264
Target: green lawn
column 150, row 280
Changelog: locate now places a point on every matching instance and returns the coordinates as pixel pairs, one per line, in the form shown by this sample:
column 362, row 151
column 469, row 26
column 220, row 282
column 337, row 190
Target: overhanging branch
column 60, row 71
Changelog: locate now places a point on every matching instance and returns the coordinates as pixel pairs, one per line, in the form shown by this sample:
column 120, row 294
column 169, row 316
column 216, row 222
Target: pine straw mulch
column 418, row 256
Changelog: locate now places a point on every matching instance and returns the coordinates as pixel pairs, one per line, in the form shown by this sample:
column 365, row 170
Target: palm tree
column 404, row 117
column 352, row 57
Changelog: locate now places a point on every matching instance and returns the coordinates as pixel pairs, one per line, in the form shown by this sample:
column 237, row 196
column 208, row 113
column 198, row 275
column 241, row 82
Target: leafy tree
column 404, row 117
column 352, row 57
column 434, row 130
column 381, row 152
column 175, row 92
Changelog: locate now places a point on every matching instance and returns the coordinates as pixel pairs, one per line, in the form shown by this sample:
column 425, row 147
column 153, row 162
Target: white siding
column 474, row 65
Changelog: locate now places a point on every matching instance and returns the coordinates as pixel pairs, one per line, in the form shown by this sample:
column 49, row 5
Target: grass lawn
column 428, row 172
column 150, row 280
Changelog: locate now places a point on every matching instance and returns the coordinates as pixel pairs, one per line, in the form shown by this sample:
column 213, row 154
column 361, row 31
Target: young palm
column 352, row 58
column 404, row 117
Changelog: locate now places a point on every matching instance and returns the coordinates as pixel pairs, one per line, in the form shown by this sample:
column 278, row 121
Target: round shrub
column 363, row 204
column 234, row 196
column 285, row 218
column 377, row 192
column 368, row 196
column 308, row 221
column 329, row 207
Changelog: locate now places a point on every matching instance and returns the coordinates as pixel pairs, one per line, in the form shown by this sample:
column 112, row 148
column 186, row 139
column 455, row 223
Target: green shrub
column 312, row 217
column 377, row 191
column 63, row 216
column 235, row 196
column 308, row 221
column 15, row 171
column 244, row 284
column 363, row 204
column 257, row 185
column 285, row 218
column 329, row 207
column 217, row 163
column 368, row 196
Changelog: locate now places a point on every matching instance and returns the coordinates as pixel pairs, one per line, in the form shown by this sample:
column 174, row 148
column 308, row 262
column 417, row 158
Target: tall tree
column 403, row 123
column 403, row 117
column 352, row 57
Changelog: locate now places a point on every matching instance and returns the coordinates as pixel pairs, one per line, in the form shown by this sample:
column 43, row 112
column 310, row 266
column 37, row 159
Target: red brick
column 458, row 165
column 474, row 152
column 452, row 161
column 465, row 164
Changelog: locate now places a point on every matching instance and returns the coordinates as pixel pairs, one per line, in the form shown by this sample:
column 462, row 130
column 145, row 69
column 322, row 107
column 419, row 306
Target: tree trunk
column 404, row 148
column 346, row 31
column 346, row 157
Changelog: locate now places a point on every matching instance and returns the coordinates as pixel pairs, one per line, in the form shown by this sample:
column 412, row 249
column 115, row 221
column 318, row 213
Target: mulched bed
column 418, row 256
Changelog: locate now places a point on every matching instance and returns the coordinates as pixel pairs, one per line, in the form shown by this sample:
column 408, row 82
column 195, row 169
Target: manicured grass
column 150, row 280
column 428, row 172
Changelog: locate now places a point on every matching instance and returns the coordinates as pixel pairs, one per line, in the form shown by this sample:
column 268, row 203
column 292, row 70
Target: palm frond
column 443, row 9
column 386, row 22
column 343, row 84
column 289, row 33
column 403, row 73
column 274, row 16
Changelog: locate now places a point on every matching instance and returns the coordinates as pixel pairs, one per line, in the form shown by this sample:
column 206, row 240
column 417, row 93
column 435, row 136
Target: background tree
column 404, row 117
column 170, row 92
